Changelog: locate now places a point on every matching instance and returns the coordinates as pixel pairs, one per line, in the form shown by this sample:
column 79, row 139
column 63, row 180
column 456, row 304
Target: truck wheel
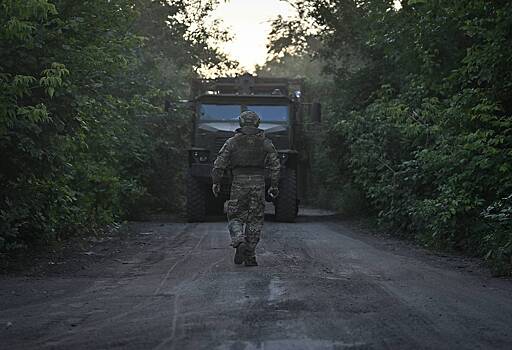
column 286, row 204
column 196, row 200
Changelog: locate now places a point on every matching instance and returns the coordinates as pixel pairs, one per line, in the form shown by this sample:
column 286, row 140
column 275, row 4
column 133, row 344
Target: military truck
column 217, row 104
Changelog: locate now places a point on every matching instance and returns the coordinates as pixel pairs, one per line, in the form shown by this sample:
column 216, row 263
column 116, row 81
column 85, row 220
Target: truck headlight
column 200, row 156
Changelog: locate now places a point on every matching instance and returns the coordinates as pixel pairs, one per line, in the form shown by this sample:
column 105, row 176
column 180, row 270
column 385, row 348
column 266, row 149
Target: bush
column 420, row 117
column 83, row 134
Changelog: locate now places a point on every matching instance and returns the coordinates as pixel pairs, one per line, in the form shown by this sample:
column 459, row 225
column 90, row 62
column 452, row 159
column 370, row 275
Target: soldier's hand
column 216, row 189
column 273, row 192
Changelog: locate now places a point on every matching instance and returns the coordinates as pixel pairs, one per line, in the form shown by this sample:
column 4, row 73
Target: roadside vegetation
column 418, row 115
column 84, row 138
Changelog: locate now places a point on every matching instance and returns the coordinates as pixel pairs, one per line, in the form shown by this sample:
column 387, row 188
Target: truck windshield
column 212, row 112
column 271, row 113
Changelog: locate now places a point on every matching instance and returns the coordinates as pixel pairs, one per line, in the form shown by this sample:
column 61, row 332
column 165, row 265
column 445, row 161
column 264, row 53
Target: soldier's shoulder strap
column 228, row 145
column 268, row 145
column 233, row 139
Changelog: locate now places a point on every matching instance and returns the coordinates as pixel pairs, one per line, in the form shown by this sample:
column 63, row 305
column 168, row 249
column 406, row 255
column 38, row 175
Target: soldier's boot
column 250, row 257
column 251, row 261
column 240, row 253
column 235, row 242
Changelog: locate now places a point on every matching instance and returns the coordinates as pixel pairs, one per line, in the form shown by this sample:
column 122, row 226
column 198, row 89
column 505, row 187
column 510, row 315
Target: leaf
column 417, row 2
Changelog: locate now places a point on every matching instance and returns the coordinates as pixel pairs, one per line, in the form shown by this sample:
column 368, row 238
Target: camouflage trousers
column 245, row 210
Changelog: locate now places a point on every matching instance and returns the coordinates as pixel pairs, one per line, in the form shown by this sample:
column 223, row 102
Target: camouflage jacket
column 249, row 152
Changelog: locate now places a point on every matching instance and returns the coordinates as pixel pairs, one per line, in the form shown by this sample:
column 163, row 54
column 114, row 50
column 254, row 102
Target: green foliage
column 420, row 117
column 83, row 134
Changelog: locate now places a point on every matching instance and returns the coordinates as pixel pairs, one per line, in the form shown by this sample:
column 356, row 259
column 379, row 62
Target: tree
column 420, row 116
column 82, row 126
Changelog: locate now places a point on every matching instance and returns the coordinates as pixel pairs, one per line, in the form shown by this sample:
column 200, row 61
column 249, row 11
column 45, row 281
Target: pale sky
column 249, row 22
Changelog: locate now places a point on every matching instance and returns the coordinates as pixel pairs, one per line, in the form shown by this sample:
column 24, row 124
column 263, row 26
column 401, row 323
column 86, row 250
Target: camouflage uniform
column 247, row 154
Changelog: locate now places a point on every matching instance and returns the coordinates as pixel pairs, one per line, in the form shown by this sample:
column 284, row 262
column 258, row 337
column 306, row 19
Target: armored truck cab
column 217, row 104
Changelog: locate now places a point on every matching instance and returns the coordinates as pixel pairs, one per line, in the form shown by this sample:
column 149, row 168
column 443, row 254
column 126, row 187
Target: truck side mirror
column 316, row 112
column 190, row 105
column 171, row 105
column 168, row 105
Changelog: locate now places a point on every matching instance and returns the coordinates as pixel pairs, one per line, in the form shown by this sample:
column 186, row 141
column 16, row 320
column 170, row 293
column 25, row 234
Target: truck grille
column 280, row 141
column 219, row 142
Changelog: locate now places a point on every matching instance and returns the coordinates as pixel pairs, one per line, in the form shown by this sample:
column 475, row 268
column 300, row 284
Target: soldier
column 247, row 154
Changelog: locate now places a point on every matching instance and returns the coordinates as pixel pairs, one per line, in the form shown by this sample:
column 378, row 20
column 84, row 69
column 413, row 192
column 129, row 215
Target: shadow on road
column 305, row 215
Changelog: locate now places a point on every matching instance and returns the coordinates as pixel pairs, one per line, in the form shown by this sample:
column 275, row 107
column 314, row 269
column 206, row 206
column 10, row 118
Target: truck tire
column 196, row 200
column 286, row 204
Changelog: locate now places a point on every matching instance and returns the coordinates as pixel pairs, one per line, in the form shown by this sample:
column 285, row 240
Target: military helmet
column 249, row 118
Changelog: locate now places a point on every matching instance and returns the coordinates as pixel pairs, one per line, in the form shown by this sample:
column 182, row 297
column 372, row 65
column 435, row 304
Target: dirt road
column 320, row 285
